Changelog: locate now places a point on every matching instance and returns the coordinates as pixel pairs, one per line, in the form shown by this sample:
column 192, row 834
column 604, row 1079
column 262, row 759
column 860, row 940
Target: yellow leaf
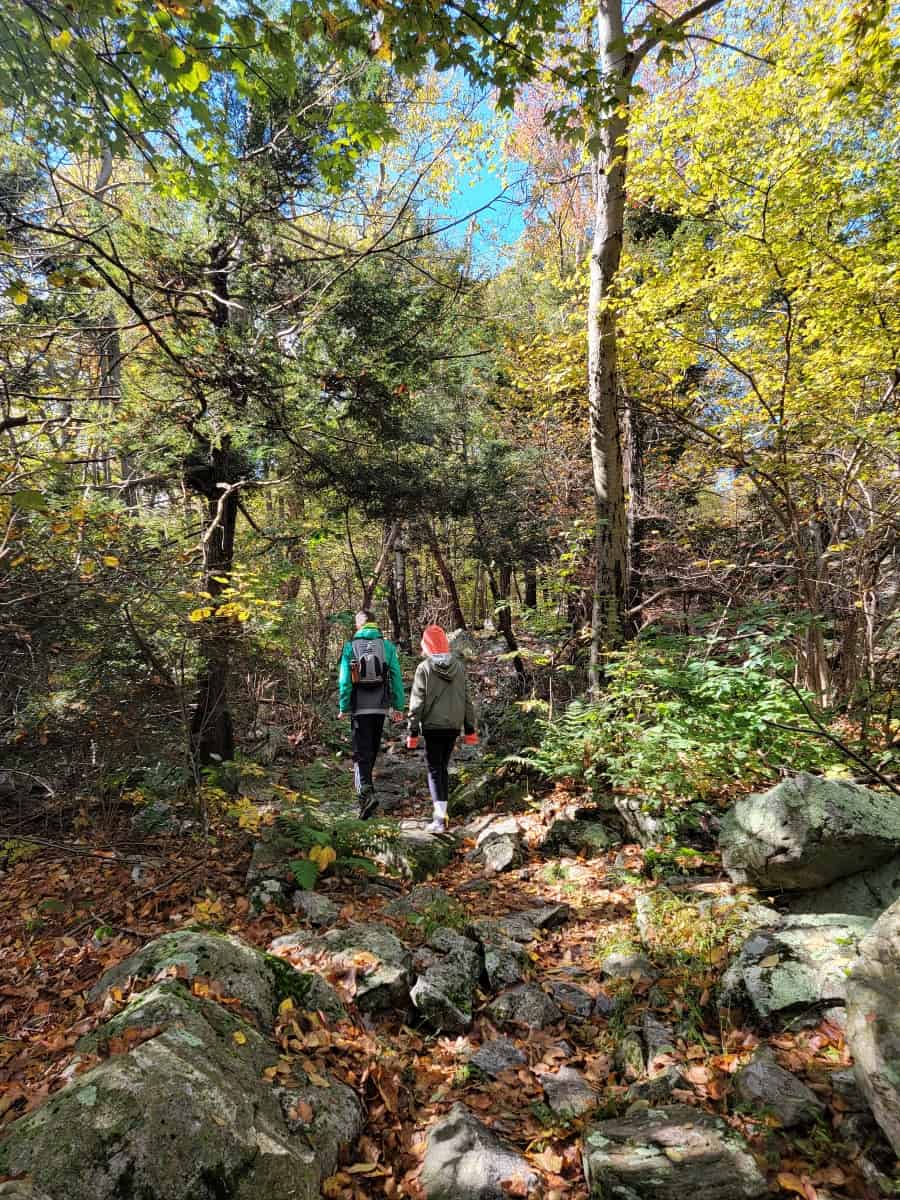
column 286, row 1006
column 239, row 1038
column 61, row 40
column 362, row 1168
column 323, row 855
column 110, row 560
column 199, row 614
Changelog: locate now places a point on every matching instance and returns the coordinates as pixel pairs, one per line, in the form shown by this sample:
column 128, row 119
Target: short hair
column 365, row 616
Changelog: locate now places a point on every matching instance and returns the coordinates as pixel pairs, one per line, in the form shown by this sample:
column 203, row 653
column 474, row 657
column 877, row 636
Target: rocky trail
column 533, row 1005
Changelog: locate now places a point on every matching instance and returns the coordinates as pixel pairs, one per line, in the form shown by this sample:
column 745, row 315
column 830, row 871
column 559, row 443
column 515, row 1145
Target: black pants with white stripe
column 366, row 731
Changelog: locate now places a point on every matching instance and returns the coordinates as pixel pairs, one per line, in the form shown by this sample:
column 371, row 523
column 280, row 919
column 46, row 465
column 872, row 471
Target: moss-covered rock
column 873, row 1021
column 183, row 1115
column 674, row 1153
column 259, row 982
column 417, row 854
column 801, row 964
column 807, row 832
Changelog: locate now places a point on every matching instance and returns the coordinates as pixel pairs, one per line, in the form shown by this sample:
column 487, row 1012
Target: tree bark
column 610, row 590
column 212, row 729
column 405, row 639
column 531, row 593
column 378, row 569
column 459, row 620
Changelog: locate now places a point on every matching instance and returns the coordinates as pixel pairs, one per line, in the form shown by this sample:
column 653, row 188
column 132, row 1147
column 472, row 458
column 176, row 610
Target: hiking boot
column 368, row 803
column 436, row 826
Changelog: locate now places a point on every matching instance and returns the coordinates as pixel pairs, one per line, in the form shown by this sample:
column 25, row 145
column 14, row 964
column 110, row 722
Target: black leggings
column 439, row 745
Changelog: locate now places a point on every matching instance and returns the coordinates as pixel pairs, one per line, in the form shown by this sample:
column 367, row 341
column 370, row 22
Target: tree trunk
column 212, row 730
column 459, row 620
column 369, row 588
column 393, row 610
column 610, row 592
column 500, row 593
column 405, row 639
column 531, row 593
column 633, row 472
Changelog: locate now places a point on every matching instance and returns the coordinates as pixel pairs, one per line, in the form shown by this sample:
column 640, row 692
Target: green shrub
column 676, row 724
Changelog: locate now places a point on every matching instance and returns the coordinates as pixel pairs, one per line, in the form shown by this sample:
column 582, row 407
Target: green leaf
column 29, row 500
column 306, row 872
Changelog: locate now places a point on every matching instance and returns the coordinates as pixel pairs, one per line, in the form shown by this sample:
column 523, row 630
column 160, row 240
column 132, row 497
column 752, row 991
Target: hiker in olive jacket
column 369, row 685
column 440, row 705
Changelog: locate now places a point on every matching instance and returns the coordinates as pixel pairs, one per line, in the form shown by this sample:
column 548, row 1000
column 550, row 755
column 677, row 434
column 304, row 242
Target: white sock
column 440, row 810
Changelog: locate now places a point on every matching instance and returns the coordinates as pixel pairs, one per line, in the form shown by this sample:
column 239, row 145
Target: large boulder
column 873, row 1021
column 675, row 1153
column 586, row 838
column 801, row 964
column 228, row 966
column 807, row 832
column 185, row 1113
column 865, row 894
column 464, row 1160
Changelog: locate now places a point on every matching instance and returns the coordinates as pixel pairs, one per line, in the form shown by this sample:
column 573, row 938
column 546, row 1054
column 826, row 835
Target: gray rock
column 657, row 1089
column 625, row 964
column 155, row 817
column 629, row 1056
column 587, row 838
column 444, row 993
column 865, row 894
column 640, row 819
column 318, row 910
column 387, row 981
column 422, row 897
column 807, row 832
column 268, row 893
column 873, row 1021
column 500, row 852
column 674, row 1153
column 803, row 963
column 845, row 1084
column 497, row 1056
column 568, row 1093
column 20, row 1189
column 417, row 854
column 259, row 981
column 767, row 1086
column 525, row 1005
column 658, row 1038
column 494, row 825
column 505, row 962
column 573, row 1000
column 271, row 855
column 184, row 1115
column 466, row 1161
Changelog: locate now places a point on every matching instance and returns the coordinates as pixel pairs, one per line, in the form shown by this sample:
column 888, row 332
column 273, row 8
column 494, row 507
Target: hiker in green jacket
column 369, row 684
column 440, row 704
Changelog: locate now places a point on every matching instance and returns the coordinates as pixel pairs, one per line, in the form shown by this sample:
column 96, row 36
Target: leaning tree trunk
column 459, row 620
column 610, row 590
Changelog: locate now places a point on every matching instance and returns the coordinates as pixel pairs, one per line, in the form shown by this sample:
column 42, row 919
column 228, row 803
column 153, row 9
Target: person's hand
column 342, row 716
